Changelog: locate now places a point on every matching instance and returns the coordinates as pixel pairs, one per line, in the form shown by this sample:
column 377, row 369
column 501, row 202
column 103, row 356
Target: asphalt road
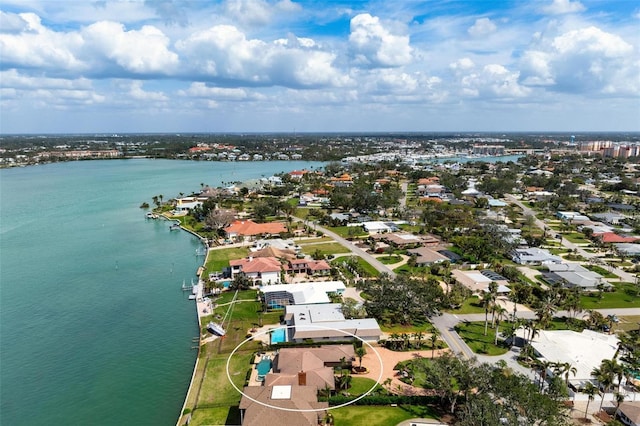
column 379, row 266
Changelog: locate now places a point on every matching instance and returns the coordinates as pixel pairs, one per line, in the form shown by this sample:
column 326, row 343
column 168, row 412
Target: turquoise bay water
column 94, row 328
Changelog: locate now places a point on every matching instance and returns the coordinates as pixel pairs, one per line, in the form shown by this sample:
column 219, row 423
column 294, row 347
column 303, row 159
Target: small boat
column 150, row 215
column 216, row 329
column 174, row 227
column 192, row 297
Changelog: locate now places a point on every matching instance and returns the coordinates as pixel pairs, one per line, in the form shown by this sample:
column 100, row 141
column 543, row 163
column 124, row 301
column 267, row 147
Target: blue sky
column 318, row 66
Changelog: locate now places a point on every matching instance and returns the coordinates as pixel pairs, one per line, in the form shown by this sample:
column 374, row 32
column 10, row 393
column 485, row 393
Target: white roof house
column 575, row 275
column 534, row 256
column 572, row 216
column 584, row 351
column 326, row 322
column 278, row 296
column 630, row 249
column 376, row 227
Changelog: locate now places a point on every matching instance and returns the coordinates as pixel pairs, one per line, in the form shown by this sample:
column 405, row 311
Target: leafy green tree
column 403, row 299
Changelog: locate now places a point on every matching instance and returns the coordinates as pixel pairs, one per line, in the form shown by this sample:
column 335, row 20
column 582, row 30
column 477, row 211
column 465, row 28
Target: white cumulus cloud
column 224, row 53
column 585, row 60
column 375, row 45
column 143, row 51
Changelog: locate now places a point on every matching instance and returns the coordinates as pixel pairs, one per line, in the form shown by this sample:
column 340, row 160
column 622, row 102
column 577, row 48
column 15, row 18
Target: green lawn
column 470, row 306
column 325, row 248
column 473, row 335
column 366, row 269
column 424, row 327
column 358, row 415
column 624, row 296
column 314, row 240
column 412, row 270
column 227, row 415
column 576, row 238
column 410, row 228
column 360, row 385
column 219, row 259
column 216, row 389
column 600, row 270
column 419, row 374
column 348, row 231
column 389, row 260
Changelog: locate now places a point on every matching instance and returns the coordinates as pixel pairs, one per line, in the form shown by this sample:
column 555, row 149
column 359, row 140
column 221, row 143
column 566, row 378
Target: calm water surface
column 94, row 328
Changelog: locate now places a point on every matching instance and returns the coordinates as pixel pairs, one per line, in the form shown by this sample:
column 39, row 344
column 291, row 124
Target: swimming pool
column 263, row 367
column 279, row 335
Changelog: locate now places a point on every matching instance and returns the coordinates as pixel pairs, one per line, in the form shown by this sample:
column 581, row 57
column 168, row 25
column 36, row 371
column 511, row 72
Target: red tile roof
column 259, row 264
column 319, row 265
column 612, row 237
column 249, row 227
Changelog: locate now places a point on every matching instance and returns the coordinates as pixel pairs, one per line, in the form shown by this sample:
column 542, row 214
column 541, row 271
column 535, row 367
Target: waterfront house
column 309, row 366
column 186, row 204
column 251, row 229
column 324, row 322
column 281, row 295
column 262, row 270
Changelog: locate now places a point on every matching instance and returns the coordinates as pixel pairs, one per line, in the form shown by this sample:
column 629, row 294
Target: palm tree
column 544, row 366
column 616, row 370
column 493, row 290
column 590, row 390
column 569, row 369
column 605, row 380
column 501, row 313
column 405, row 340
column 487, row 302
column 434, row 338
column 418, row 335
column 546, row 310
column 344, row 381
column 360, row 353
column 619, row 400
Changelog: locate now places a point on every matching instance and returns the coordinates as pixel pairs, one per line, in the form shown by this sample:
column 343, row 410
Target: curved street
column 379, row 266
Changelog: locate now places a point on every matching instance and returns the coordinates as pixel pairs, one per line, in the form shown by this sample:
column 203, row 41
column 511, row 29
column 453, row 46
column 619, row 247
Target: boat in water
column 216, row 328
column 174, row 227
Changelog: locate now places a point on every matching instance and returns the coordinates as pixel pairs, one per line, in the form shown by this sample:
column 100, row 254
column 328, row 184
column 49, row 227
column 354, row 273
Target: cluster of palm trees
column 490, row 304
column 559, row 369
column 408, row 341
column 609, row 374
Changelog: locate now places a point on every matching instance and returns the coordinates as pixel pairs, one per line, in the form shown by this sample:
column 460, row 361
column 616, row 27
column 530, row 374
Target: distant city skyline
column 163, row 66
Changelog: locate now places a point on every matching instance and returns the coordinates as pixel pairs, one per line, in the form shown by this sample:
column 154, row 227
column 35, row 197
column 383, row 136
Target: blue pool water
column 278, row 336
column 263, row 367
column 226, row 284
